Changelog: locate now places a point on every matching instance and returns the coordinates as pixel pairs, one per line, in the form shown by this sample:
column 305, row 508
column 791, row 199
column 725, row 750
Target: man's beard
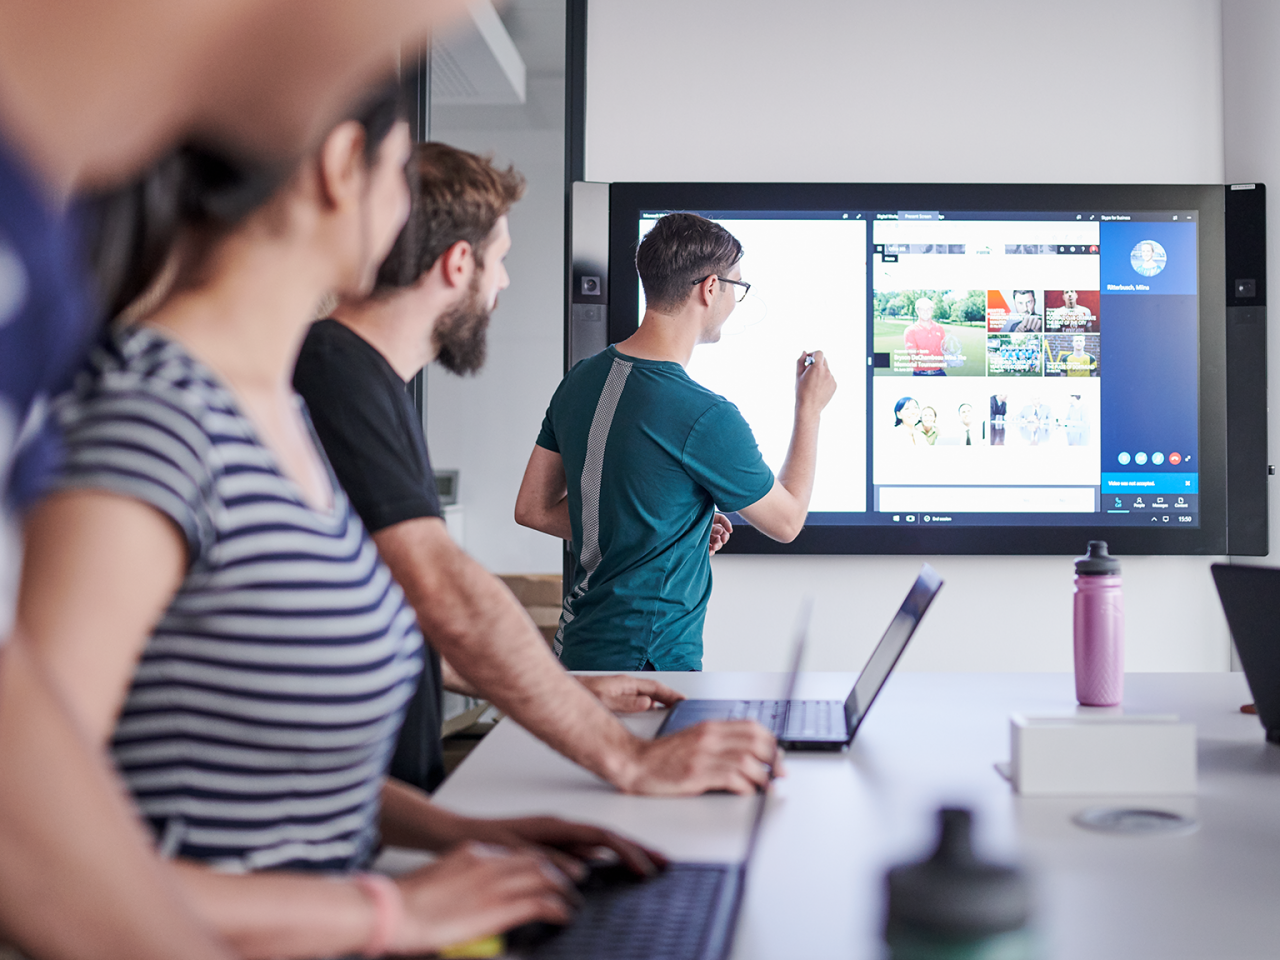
column 460, row 333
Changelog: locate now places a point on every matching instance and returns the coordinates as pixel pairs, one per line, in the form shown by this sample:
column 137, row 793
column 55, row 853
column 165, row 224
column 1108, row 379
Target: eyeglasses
column 739, row 296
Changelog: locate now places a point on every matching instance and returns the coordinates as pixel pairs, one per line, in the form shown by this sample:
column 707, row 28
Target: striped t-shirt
column 263, row 713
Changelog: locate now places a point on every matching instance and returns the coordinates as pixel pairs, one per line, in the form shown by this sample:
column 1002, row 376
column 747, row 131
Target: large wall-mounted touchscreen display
column 1018, row 374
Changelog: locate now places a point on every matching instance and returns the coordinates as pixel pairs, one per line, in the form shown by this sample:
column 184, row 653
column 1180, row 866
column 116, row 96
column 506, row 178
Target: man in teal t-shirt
column 634, row 458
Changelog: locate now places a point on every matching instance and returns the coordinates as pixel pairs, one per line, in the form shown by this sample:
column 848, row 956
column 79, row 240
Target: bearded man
column 432, row 301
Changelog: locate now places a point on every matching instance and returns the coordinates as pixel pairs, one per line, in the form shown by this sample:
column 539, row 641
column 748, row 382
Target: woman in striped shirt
column 205, row 596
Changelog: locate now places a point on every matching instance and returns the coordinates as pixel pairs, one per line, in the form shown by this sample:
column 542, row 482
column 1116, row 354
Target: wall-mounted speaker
column 1248, row 462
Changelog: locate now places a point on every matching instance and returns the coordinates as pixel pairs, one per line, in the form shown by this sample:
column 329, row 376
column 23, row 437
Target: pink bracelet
column 388, row 910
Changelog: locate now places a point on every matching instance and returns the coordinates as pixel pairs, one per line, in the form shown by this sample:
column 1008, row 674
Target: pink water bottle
column 1099, row 628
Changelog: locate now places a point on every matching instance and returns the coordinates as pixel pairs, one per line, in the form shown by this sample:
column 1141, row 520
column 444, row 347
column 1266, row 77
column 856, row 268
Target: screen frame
column 627, row 200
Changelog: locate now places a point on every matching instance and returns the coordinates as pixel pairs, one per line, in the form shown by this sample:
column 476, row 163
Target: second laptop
column 822, row 724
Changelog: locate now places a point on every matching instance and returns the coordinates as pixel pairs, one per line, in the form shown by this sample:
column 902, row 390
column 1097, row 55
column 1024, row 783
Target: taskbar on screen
column 1124, row 511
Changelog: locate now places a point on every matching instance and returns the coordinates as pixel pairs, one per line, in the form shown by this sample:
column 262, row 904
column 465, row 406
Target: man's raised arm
column 476, row 624
column 780, row 513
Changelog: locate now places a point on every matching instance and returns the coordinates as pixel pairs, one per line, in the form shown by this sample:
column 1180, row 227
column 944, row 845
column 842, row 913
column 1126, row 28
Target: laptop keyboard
column 808, row 719
column 667, row 917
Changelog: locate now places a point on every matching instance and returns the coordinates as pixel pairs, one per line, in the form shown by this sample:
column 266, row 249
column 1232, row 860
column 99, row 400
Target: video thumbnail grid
column 994, row 333
column 987, row 356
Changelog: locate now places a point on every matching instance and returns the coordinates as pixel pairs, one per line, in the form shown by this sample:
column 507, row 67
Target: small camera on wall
column 591, row 286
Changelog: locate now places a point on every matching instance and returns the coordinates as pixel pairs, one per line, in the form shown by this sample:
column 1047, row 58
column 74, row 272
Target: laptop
column 687, row 912
column 821, row 724
column 1251, row 600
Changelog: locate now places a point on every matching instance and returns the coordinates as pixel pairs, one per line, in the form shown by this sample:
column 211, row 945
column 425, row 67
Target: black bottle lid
column 953, row 894
column 1096, row 561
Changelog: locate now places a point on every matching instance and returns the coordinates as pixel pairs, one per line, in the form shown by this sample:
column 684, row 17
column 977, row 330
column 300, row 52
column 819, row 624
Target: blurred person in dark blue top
column 90, row 91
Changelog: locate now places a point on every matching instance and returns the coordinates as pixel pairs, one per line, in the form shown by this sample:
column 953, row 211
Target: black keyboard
column 684, row 913
column 808, row 719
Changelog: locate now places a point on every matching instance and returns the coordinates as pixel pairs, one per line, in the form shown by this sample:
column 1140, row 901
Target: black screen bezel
column 627, row 200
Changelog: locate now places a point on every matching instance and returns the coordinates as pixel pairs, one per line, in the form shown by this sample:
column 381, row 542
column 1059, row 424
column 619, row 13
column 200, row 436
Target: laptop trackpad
column 687, row 713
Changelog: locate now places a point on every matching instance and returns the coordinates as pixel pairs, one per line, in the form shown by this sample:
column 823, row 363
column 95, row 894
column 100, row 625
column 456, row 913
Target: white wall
column 997, row 91
column 984, row 90
column 485, row 426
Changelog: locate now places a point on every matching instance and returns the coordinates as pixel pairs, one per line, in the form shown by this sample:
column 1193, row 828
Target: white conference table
column 837, row 821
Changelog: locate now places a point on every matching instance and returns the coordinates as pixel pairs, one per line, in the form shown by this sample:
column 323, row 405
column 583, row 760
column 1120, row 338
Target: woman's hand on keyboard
column 478, row 890
column 568, row 844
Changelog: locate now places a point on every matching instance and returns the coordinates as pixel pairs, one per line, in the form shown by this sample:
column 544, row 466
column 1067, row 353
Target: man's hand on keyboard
column 623, row 694
column 731, row 755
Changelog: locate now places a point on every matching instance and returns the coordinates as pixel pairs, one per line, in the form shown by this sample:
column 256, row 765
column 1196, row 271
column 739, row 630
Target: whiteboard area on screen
column 808, row 292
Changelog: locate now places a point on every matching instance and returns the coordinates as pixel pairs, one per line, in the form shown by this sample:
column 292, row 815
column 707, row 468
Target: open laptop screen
column 891, row 645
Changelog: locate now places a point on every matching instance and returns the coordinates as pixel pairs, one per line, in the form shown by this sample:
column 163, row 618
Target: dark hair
column 130, row 231
column 1019, row 293
column 681, row 248
column 897, row 409
column 457, row 196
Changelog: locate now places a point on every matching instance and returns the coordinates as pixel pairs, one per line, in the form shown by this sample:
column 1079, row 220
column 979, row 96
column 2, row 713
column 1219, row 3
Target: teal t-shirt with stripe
column 649, row 456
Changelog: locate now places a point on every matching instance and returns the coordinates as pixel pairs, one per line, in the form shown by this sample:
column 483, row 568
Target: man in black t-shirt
column 372, row 436
column 432, row 301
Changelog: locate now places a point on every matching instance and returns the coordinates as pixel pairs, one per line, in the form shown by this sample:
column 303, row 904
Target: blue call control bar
column 1113, row 483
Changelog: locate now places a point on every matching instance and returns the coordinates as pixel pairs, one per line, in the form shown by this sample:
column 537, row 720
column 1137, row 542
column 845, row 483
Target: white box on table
column 1102, row 755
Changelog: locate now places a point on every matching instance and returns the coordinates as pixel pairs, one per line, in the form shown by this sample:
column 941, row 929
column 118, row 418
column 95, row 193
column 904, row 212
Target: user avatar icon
column 1148, row 258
